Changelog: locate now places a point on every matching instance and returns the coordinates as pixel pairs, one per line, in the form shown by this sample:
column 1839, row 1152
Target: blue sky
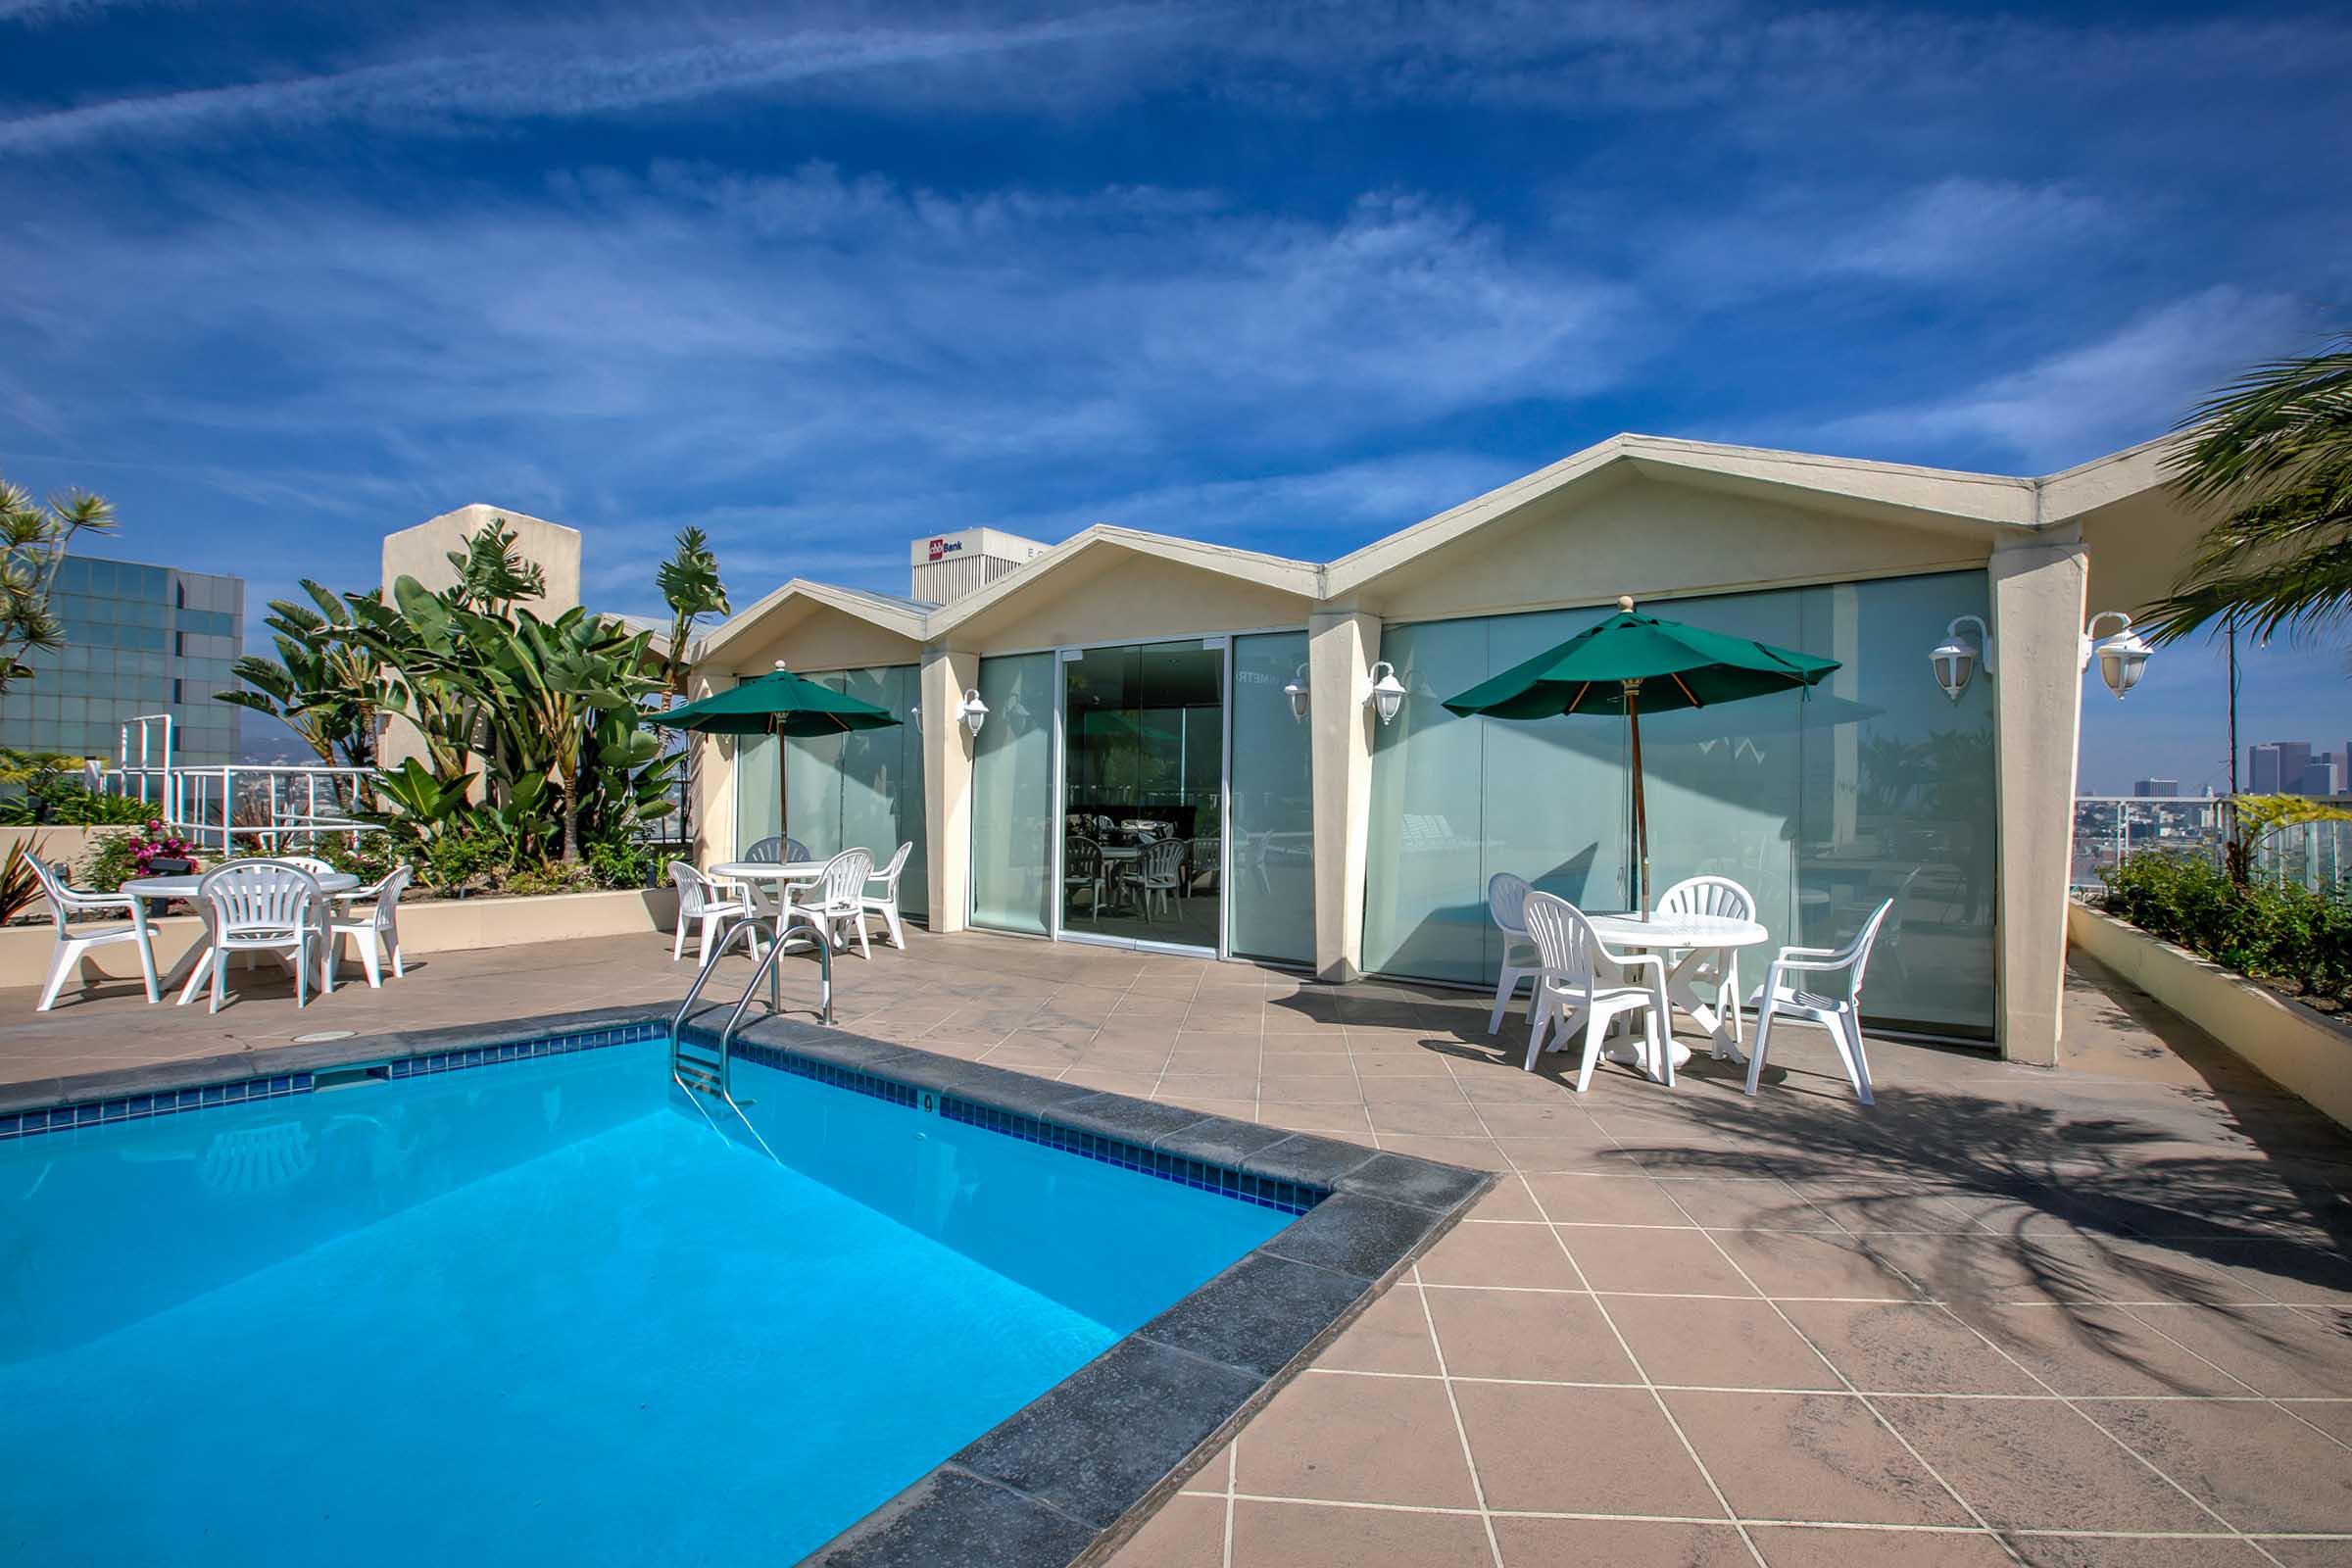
column 280, row 278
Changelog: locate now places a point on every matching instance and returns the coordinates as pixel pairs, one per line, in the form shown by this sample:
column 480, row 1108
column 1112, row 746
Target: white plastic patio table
column 141, row 889
column 769, row 870
column 1701, row 934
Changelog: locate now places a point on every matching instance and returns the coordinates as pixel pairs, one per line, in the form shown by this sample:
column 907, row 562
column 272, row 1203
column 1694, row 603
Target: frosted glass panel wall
column 864, row 790
column 758, row 812
column 1273, row 886
column 1872, row 787
column 1012, row 794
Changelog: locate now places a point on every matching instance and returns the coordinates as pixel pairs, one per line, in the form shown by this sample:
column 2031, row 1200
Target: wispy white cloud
column 1958, row 231
column 2124, row 385
column 570, row 70
column 628, row 352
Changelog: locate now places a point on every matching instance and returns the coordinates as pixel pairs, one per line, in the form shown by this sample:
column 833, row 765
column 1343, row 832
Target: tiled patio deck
column 2087, row 1317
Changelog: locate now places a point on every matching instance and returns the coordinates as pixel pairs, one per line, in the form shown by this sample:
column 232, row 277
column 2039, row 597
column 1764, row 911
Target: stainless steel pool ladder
column 695, row 1067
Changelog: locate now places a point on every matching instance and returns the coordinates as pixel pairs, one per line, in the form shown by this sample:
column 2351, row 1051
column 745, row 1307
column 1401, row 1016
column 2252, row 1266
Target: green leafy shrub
column 113, row 861
column 618, row 860
column 2279, row 932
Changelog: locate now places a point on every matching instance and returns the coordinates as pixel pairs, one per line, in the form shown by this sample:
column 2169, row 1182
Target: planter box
column 431, row 925
column 2306, row 1051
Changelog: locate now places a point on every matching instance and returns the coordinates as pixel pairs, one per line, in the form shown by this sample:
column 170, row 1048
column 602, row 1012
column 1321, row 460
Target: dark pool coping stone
column 1069, row 1477
column 313, row 1057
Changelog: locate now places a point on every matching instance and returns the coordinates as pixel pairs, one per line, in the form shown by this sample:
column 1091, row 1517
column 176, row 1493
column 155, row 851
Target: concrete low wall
column 70, row 844
column 2301, row 1049
column 436, row 926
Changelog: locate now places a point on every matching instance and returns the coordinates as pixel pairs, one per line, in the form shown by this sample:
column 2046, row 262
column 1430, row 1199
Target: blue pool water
column 539, row 1312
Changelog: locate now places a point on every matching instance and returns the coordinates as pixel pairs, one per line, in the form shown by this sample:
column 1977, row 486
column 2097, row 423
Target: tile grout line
column 1233, row 1483
column 2269, row 1398
column 1835, row 1370
column 1721, row 1502
column 1826, row 1394
column 2142, row 1459
column 1477, row 1488
column 1851, row 1526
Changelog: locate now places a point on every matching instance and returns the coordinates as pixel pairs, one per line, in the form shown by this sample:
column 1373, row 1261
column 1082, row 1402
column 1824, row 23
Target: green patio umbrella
column 779, row 702
column 1629, row 662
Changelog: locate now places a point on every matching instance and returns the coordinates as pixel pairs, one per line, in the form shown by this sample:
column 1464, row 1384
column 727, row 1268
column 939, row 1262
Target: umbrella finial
column 1625, row 601
column 780, row 664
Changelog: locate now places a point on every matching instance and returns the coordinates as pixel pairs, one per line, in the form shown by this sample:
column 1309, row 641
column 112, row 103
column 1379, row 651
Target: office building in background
column 2292, row 768
column 138, row 639
column 2156, row 789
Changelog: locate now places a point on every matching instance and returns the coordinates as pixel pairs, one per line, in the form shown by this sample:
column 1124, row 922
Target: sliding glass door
column 1143, row 745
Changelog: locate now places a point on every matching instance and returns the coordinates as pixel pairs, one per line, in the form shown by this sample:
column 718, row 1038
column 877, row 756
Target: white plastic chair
column 1506, row 899
column 374, row 929
column 839, row 899
column 769, row 851
column 73, row 943
column 1082, row 868
column 1159, row 874
column 885, row 903
column 1783, row 995
column 796, row 851
column 1200, row 864
column 1573, row 989
column 700, row 899
column 308, row 863
column 1715, row 895
column 260, row 906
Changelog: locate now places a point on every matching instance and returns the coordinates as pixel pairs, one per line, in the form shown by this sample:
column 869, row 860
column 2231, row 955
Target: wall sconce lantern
column 1956, row 658
column 974, row 712
column 1297, row 692
column 2123, row 658
column 1388, row 694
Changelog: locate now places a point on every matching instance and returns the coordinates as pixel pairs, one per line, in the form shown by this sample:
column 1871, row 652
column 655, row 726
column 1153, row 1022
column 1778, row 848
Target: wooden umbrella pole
column 1633, row 716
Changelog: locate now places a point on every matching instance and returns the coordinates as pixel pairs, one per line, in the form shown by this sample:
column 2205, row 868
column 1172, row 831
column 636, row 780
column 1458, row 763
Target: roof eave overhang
column 908, row 624
column 1279, row 572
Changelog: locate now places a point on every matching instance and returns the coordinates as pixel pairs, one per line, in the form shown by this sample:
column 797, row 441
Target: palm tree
column 690, row 586
column 2275, row 448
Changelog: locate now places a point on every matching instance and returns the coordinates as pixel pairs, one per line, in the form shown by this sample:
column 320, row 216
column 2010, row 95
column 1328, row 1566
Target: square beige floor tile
column 1185, row 1533
column 1679, row 1262
column 1907, row 1347
column 1507, row 1255
column 1529, row 1335
column 1799, row 1547
column 1295, row 1535
column 2088, row 1349
column 2036, row 1464
column 1354, row 1439
column 1392, row 1334
column 1581, row 1451
column 1629, row 1542
column 1813, row 1264
column 1718, row 1344
column 1810, row 1456
column 2253, row 1463
column 1579, row 1199
column 2275, row 1349
column 2169, row 1551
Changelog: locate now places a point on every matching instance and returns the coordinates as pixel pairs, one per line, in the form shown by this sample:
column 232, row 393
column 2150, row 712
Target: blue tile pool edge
column 389, row 1057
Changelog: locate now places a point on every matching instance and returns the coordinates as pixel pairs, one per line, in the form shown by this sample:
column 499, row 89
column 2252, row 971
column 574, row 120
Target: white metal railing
column 2109, row 827
column 218, row 805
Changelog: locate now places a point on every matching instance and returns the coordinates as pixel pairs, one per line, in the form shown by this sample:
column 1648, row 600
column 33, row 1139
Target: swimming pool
column 542, row 1312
